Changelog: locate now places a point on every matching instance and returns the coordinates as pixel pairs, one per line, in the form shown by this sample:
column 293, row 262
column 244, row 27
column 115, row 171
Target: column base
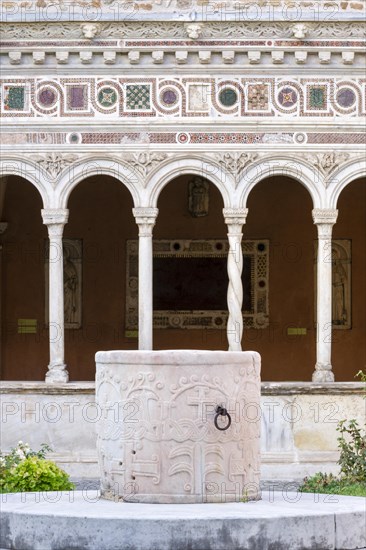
column 57, row 374
column 323, row 373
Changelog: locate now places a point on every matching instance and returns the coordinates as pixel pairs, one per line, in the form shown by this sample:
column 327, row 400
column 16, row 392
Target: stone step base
column 281, row 520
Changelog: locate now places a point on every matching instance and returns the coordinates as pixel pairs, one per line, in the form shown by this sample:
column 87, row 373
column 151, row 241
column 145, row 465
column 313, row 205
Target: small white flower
column 20, row 454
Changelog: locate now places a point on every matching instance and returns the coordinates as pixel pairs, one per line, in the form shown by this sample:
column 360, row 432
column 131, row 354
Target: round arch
column 83, row 169
column 30, row 171
column 198, row 166
column 282, row 166
column 343, row 177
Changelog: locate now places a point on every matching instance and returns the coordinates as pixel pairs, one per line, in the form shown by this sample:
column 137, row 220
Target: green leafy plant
column 26, row 470
column 352, row 462
column 352, row 445
column 332, row 485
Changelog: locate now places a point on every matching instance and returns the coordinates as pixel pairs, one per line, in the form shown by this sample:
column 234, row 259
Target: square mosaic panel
column 138, row 97
column 317, row 97
column 258, row 97
column 14, row 98
column 77, row 97
column 198, row 97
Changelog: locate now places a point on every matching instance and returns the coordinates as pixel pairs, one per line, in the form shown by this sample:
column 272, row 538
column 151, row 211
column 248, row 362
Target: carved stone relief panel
column 157, row 437
column 190, row 284
column 72, row 252
column 341, row 259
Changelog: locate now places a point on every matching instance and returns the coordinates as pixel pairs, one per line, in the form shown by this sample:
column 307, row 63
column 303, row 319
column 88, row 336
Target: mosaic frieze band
column 183, row 97
column 182, row 138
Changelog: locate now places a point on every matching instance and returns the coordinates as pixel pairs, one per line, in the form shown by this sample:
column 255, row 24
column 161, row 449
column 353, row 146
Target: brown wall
column 100, row 215
column 349, row 346
column 23, row 356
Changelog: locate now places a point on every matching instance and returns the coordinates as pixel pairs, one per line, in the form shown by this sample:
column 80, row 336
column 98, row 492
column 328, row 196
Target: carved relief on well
column 157, row 440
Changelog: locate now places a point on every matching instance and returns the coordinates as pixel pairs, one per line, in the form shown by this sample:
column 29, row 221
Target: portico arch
column 22, row 251
column 98, row 166
column 198, row 166
column 343, row 177
column 291, row 167
column 30, row 171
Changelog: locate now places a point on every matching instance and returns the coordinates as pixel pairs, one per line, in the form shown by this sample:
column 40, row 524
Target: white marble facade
column 149, row 91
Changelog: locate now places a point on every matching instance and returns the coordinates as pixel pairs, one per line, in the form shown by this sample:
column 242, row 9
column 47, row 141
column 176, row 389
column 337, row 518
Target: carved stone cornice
column 55, row 163
column 178, row 30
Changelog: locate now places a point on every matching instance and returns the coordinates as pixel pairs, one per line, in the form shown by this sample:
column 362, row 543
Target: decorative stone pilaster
column 55, row 219
column 235, row 218
column 145, row 219
column 324, row 219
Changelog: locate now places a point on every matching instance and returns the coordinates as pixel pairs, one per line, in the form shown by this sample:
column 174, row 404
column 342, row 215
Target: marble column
column 145, row 219
column 55, row 219
column 324, row 220
column 235, row 218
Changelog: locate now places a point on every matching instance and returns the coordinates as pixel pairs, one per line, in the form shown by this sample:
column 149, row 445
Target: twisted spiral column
column 235, row 218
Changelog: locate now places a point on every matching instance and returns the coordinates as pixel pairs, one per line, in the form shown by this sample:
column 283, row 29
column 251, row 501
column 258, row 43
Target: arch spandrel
column 291, row 167
column 198, row 166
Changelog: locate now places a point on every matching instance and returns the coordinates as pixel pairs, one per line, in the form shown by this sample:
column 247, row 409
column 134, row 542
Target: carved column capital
column 324, row 218
column 55, row 216
column 145, row 218
column 235, row 218
column 324, row 215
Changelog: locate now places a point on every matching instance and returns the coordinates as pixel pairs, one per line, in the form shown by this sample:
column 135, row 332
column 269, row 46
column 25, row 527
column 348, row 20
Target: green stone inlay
column 317, row 98
column 15, row 98
column 107, row 97
column 228, row 97
column 138, row 97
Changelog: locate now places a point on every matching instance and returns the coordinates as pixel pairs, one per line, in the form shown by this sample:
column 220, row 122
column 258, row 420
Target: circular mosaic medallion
column 228, row 97
column 183, row 138
column 287, row 97
column 107, row 97
column 346, row 97
column 300, row 138
column 169, row 97
column 74, row 137
column 47, row 97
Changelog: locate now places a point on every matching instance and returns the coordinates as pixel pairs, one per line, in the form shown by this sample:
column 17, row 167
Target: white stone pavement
column 83, row 521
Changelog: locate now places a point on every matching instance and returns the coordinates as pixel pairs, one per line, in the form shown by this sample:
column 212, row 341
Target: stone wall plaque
column 190, row 284
column 72, row 250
